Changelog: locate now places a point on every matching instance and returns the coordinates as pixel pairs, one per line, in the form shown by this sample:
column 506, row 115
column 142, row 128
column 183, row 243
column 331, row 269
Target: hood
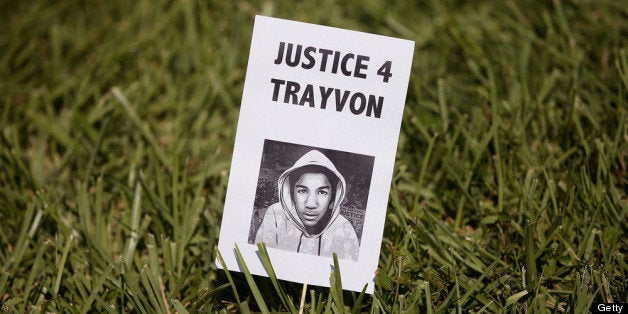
column 313, row 157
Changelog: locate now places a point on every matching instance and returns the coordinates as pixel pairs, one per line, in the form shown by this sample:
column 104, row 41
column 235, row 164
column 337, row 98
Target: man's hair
column 296, row 174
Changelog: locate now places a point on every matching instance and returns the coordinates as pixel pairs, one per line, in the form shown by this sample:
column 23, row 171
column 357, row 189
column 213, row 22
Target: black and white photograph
column 311, row 200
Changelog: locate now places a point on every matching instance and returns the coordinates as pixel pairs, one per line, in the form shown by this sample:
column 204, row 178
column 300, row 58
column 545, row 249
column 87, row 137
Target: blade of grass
column 428, row 299
column 96, row 289
column 132, row 114
column 179, row 307
column 92, row 156
column 336, row 286
column 4, row 277
column 228, row 274
column 358, row 303
column 316, row 306
column 61, row 265
column 138, row 297
column 22, row 242
column 134, row 224
column 249, row 279
column 530, row 248
column 328, row 304
column 285, row 300
column 302, row 303
column 35, row 224
column 477, row 285
column 152, row 284
column 516, row 297
column 442, row 102
column 424, row 165
column 34, row 272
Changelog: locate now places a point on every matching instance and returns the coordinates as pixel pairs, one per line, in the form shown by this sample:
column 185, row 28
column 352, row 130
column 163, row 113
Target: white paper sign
column 314, row 151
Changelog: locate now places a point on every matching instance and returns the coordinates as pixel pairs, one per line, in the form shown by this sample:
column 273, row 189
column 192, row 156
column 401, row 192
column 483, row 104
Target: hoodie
column 282, row 228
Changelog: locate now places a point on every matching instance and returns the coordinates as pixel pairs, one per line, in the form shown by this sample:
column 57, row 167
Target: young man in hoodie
column 307, row 217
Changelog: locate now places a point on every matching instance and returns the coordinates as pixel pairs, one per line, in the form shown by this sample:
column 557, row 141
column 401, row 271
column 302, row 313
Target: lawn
column 117, row 124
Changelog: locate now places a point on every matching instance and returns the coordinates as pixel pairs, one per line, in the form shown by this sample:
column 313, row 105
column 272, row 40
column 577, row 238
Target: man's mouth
column 310, row 216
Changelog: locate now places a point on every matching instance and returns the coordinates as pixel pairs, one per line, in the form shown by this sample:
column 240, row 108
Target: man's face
column 312, row 194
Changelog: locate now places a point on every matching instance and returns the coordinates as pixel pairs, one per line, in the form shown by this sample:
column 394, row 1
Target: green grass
column 117, row 123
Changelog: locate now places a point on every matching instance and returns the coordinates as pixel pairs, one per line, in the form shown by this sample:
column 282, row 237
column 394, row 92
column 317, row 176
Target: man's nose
column 310, row 202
